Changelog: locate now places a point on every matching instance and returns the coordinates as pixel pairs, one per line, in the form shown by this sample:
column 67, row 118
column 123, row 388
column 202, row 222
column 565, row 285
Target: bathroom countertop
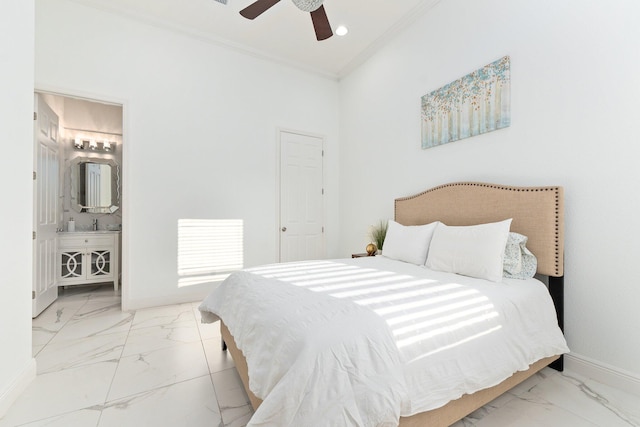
column 90, row 232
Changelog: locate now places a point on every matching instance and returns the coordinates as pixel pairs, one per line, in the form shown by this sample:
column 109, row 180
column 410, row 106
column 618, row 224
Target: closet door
column 301, row 197
column 46, row 206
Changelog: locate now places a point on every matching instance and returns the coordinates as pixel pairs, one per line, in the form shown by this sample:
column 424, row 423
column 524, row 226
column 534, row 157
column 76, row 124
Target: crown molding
column 202, row 36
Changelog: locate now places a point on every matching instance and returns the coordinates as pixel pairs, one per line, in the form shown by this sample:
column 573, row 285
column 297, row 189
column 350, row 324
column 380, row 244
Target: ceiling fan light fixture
column 307, row 5
column 321, row 24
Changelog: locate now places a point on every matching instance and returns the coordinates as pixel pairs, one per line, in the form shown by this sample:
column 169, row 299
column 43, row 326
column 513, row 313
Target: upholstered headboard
column 537, row 212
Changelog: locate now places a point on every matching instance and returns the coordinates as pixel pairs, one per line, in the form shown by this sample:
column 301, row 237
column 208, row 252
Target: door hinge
column 34, row 175
column 33, row 294
column 34, row 235
column 35, row 115
column 322, row 153
column 323, row 191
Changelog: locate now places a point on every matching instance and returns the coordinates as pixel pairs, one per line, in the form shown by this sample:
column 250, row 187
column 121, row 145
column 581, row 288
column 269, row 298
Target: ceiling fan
column 315, row 7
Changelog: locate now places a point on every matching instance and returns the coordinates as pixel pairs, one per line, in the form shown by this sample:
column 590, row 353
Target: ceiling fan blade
column 321, row 23
column 257, row 8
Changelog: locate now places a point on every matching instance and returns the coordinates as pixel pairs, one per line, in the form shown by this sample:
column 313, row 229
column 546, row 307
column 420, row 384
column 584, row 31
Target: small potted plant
column 377, row 234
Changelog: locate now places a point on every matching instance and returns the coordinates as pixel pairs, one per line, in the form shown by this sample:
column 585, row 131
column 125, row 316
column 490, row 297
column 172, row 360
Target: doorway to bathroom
column 78, row 160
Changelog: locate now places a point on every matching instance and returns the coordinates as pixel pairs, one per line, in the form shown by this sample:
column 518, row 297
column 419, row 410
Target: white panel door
column 301, row 197
column 46, row 209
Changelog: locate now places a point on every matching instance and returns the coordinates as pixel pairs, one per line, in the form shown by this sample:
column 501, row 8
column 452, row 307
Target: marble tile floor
column 99, row 366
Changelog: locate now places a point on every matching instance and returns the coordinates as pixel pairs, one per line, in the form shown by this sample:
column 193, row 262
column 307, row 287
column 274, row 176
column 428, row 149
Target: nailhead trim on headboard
column 557, row 192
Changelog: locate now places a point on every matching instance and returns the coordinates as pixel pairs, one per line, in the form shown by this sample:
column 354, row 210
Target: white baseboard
column 602, row 373
column 17, row 386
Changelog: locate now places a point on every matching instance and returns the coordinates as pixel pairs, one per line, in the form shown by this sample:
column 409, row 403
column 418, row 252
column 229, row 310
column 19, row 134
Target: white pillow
column 476, row 251
column 408, row 243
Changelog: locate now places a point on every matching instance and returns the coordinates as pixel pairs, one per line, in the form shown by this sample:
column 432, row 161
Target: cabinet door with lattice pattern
column 71, row 265
column 100, row 264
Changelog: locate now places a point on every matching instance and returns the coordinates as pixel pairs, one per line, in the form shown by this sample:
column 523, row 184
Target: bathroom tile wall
column 85, row 119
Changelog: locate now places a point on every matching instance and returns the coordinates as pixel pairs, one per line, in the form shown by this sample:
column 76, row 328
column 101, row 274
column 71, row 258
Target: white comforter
column 361, row 342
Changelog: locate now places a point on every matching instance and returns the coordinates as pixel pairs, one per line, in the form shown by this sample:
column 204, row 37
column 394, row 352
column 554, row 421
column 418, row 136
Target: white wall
column 199, row 133
column 17, row 367
column 575, row 83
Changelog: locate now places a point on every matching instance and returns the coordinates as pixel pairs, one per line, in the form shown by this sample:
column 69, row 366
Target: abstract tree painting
column 474, row 104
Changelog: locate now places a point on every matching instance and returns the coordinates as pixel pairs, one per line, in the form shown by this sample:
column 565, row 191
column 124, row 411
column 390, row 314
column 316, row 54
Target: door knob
column 284, row 228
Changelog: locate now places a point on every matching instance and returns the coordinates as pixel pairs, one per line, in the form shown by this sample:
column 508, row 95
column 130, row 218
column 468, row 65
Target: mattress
column 363, row 341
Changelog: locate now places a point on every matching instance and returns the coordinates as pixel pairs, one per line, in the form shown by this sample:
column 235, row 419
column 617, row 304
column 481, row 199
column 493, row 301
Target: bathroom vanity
column 93, row 191
column 88, row 257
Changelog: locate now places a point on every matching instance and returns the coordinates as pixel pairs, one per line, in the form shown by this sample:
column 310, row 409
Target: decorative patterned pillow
column 519, row 262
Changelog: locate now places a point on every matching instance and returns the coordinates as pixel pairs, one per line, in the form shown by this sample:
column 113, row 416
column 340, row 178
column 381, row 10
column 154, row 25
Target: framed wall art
column 477, row 103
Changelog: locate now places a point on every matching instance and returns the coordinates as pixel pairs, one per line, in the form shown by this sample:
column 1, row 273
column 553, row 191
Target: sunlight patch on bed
column 458, row 343
column 208, row 250
column 324, row 276
column 328, row 276
column 411, row 295
column 291, row 269
column 446, row 329
column 423, row 302
column 352, row 278
column 443, row 319
column 421, row 314
column 402, row 282
column 419, row 311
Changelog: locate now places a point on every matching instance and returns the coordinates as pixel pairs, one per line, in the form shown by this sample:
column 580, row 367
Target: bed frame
column 537, row 212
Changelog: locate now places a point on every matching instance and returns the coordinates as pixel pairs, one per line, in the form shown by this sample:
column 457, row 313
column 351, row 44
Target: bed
column 536, row 212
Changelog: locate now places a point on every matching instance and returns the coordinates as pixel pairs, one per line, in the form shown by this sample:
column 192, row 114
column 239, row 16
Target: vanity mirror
column 95, row 185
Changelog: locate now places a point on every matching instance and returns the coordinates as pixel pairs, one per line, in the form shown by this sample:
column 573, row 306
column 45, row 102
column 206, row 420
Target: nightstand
column 364, row 254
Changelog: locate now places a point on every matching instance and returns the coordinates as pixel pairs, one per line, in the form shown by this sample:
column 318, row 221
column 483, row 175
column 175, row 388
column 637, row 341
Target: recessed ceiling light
column 341, row 30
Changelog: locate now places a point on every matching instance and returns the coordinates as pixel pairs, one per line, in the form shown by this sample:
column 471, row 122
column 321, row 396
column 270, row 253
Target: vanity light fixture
column 85, row 144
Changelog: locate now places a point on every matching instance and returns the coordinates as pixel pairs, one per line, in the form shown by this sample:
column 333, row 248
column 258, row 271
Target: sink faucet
column 95, row 224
